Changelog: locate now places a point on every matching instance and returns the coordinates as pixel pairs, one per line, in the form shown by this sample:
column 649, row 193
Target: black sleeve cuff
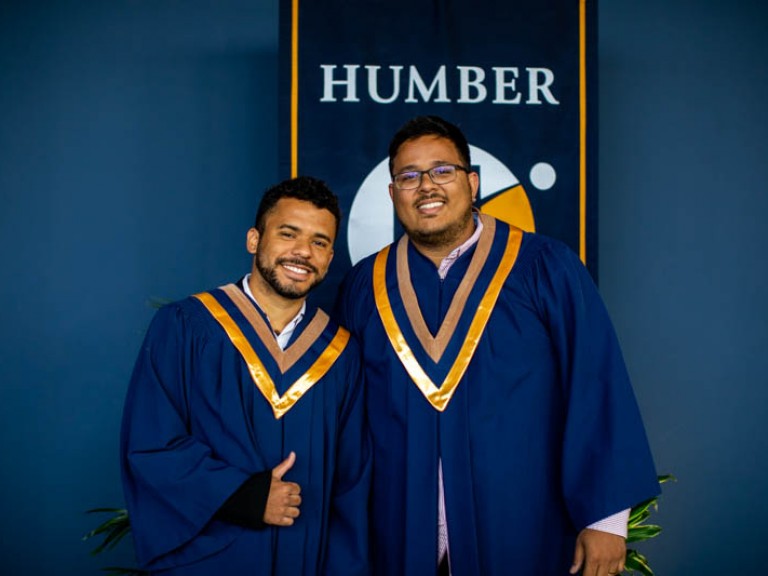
column 245, row 507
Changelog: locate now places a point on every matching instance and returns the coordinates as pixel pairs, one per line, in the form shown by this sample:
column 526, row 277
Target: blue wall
column 683, row 265
column 136, row 137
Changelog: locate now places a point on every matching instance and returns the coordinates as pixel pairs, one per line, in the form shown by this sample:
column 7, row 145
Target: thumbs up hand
column 284, row 497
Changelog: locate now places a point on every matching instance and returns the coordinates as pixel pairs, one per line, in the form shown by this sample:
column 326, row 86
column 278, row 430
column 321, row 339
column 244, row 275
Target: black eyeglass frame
column 429, row 173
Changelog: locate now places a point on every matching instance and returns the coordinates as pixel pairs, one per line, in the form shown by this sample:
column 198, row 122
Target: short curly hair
column 429, row 126
column 304, row 188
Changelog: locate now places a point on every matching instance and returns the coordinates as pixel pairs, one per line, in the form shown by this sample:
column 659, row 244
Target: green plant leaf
column 640, row 509
column 636, row 562
column 644, row 532
column 111, row 540
column 120, row 516
column 110, row 525
column 638, row 519
column 638, row 531
column 666, row 478
column 113, row 529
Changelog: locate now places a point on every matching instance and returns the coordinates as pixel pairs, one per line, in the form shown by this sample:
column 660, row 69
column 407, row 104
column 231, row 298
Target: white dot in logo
column 543, row 176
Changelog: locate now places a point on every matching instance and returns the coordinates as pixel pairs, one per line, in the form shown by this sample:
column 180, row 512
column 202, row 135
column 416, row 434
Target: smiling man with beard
column 243, row 448
column 506, row 438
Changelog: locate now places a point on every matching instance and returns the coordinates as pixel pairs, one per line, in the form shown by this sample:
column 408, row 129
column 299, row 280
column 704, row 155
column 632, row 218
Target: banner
column 518, row 77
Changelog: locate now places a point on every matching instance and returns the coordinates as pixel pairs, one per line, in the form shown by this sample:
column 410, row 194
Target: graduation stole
column 304, row 346
column 435, row 347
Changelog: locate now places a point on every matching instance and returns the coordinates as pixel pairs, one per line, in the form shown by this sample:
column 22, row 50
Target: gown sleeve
column 348, row 551
column 173, row 484
column 607, row 464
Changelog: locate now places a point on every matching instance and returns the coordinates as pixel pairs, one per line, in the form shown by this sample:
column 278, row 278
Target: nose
column 301, row 247
column 426, row 183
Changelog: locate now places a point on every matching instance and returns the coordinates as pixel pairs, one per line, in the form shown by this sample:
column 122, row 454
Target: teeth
column 295, row 269
column 430, row 205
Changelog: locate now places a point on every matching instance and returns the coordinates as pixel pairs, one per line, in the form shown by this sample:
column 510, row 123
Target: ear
column 474, row 184
column 391, row 192
column 252, row 241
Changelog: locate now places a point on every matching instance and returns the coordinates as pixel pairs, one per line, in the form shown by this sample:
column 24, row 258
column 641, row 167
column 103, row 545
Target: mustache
column 426, row 197
column 297, row 262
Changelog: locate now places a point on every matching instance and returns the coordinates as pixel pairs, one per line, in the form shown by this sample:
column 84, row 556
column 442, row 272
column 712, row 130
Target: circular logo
column 371, row 223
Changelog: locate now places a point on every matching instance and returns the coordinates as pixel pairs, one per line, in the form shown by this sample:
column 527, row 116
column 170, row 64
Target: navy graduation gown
column 539, row 436
column 197, row 424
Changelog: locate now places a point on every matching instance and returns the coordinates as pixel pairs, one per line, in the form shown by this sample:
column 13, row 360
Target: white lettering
column 502, row 83
column 373, row 84
column 472, row 85
column 471, row 77
column 329, row 83
column 534, row 87
column 416, row 83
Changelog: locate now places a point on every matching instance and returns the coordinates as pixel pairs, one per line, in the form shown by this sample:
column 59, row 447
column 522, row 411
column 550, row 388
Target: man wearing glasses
column 506, row 437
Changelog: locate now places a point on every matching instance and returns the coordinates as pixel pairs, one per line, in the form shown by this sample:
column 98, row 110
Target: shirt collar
column 448, row 261
column 285, row 336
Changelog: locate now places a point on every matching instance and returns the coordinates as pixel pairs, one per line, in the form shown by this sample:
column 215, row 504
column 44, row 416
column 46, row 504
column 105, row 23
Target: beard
column 269, row 273
column 443, row 237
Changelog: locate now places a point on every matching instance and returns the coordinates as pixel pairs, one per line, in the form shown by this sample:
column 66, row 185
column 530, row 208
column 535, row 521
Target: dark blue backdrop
column 136, row 137
column 525, row 96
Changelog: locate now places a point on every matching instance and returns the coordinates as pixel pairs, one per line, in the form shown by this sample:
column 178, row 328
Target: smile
column 296, row 269
column 430, row 205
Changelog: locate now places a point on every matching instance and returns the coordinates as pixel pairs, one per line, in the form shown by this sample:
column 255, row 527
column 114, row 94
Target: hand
column 283, row 500
column 600, row 553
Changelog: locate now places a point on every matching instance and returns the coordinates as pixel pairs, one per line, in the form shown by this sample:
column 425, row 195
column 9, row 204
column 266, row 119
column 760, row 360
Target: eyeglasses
column 443, row 174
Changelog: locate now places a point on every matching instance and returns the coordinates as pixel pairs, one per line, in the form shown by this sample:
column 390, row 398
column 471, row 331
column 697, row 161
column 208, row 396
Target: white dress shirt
column 285, row 335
